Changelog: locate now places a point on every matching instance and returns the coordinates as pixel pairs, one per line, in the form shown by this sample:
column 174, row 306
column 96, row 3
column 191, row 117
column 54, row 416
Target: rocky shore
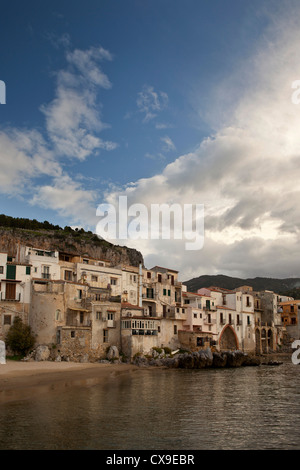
column 200, row 360
column 160, row 357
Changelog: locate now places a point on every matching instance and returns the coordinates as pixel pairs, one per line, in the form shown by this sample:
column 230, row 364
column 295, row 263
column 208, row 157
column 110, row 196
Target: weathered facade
column 81, row 306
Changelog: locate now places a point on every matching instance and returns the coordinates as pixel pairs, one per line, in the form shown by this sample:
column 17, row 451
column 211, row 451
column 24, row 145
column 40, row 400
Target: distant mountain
column 279, row 286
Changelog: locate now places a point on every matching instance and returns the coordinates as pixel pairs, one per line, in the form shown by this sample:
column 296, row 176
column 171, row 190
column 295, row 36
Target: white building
column 15, row 291
column 44, row 262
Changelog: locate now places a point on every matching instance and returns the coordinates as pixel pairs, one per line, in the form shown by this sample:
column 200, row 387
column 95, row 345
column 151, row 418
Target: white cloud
column 24, row 156
column 168, row 144
column 151, row 102
column 73, row 121
column 246, row 174
column 87, row 64
column 69, row 199
column 31, row 160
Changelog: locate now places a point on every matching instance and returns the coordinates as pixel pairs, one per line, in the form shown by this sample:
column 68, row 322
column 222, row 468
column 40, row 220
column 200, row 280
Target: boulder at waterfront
column 203, row 359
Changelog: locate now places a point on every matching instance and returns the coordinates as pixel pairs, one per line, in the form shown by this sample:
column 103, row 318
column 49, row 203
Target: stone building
column 14, row 291
column 198, row 328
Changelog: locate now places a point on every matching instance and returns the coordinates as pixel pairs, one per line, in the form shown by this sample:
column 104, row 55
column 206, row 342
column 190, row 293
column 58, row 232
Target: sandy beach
column 24, row 380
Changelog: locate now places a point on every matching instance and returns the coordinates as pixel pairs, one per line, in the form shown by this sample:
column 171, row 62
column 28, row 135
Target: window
column 98, row 315
column 169, row 293
column 248, row 320
column 68, row 275
column 110, row 316
column 10, row 271
column 1, row 269
column 165, row 292
column 221, row 318
column 94, row 278
column 150, row 293
column 46, row 272
column 7, row 320
column 58, row 336
column 148, row 275
column 85, row 261
column 238, row 319
column 159, row 277
column 79, row 293
column 195, row 315
column 28, row 270
column 72, row 334
column 164, row 311
column 113, row 281
column 105, row 336
column 175, row 329
column 58, row 315
column 229, row 319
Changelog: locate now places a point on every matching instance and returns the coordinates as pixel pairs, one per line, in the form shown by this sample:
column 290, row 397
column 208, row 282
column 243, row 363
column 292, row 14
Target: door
column 10, row 293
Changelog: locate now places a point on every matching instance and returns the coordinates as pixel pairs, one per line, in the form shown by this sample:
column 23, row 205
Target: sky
column 164, row 102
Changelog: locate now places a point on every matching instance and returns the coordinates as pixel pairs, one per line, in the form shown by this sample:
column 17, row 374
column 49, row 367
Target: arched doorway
column 264, row 345
column 257, row 341
column 270, row 340
column 228, row 339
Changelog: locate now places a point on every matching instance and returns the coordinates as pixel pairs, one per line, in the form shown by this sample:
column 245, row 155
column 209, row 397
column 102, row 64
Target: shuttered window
column 10, row 271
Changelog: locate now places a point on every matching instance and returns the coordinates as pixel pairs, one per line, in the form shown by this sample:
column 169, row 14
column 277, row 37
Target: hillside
column 280, row 286
column 14, row 231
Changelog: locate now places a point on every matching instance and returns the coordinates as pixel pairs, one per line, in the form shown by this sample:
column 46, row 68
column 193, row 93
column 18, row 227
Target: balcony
column 149, row 296
column 173, row 313
column 211, row 308
column 15, row 298
column 46, row 276
column 111, row 324
column 74, row 322
column 209, row 321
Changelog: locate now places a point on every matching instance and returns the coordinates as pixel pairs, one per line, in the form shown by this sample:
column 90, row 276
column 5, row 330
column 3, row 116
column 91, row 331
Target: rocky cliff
column 76, row 242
